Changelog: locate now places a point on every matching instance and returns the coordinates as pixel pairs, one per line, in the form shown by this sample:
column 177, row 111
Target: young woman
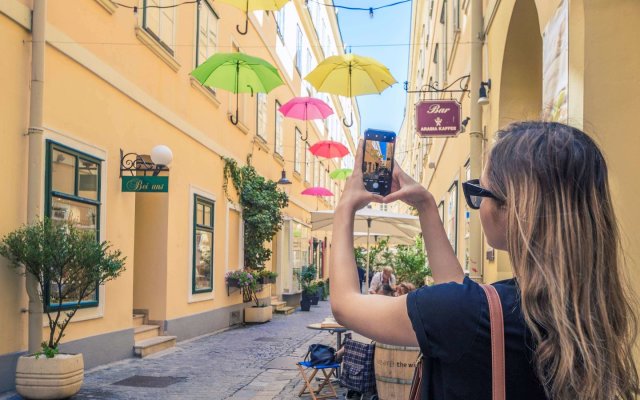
column 569, row 323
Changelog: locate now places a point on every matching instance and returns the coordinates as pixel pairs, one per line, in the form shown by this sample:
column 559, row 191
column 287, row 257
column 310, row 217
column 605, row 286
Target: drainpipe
column 476, row 136
column 36, row 153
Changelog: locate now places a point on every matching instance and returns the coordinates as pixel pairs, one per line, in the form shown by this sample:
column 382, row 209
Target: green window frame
column 66, row 194
column 162, row 16
column 202, row 263
column 206, row 32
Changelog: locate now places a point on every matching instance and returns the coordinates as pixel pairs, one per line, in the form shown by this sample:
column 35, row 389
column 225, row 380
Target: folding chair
column 305, row 367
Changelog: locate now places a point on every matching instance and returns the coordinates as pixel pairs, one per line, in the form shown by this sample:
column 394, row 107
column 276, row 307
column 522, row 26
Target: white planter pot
column 49, row 378
column 258, row 314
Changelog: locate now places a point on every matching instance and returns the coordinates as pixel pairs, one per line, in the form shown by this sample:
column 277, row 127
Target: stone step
column 138, row 320
column 149, row 346
column 278, row 304
column 145, row 332
column 285, row 310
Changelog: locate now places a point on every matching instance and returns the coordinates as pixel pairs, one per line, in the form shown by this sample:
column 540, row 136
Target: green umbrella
column 341, row 174
column 237, row 73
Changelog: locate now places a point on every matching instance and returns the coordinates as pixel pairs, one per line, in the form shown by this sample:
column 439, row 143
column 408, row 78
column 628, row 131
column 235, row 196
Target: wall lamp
column 161, row 156
column 464, row 124
column 284, row 182
column 485, row 87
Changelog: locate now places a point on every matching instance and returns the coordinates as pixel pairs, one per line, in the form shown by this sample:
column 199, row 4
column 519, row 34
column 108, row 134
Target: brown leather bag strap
column 497, row 343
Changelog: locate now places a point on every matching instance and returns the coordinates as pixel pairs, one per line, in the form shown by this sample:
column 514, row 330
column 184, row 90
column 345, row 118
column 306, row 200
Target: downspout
column 476, row 136
column 36, row 154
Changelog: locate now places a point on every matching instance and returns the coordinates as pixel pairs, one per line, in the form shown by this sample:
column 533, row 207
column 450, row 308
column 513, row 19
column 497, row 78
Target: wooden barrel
column 394, row 367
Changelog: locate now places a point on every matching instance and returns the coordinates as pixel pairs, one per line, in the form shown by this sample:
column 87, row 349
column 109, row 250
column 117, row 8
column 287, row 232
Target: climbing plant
column 262, row 203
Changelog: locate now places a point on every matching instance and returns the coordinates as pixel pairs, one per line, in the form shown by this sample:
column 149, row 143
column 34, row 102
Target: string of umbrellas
column 343, row 75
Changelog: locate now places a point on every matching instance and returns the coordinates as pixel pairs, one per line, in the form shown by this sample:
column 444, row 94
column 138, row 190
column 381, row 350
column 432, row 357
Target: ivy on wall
column 262, row 203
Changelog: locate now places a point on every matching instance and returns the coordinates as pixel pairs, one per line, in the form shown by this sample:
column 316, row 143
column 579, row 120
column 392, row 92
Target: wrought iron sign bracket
column 463, row 83
column 133, row 162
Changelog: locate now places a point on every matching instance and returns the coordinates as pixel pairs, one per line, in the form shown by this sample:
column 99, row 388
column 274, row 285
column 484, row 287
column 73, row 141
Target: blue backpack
column 320, row 354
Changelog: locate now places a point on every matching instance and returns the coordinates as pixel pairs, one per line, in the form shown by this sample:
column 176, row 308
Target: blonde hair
column 563, row 243
column 387, row 270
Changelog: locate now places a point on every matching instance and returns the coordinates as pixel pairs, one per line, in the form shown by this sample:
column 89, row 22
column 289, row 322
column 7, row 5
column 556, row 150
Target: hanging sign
column 437, row 118
column 145, row 184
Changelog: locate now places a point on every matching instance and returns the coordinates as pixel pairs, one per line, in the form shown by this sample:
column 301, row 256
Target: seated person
column 404, row 288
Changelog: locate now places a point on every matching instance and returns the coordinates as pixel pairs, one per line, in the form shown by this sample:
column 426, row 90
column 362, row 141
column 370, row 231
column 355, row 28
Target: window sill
column 242, row 127
column 157, row 49
column 297, row 176
column 261, row 143
column 279, row 159
column 205, row 91
column 108, row 5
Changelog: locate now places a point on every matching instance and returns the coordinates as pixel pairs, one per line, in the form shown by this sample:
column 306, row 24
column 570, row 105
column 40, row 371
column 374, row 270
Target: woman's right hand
column 404, row 188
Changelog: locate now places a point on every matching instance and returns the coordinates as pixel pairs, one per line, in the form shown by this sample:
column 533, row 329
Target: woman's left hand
column 355, row 196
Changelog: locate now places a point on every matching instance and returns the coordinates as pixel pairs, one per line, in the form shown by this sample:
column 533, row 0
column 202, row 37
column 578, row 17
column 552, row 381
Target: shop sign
column 437, row 118
column 145, row 184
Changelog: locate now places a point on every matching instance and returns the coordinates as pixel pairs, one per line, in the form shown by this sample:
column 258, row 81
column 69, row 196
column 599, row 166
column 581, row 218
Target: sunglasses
column 474, row 193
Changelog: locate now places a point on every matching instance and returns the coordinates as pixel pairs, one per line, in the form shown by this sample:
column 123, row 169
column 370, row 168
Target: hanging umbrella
column 329, row 149
column 237, row 73
column 350, row 75
column 317, row 191
column 253, row 5
column 370, row 220
column 360, row 238
column 340, row 174
column 306, row 108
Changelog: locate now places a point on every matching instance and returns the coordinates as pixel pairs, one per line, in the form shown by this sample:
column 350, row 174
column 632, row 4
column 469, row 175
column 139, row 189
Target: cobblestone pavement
column 245, row 363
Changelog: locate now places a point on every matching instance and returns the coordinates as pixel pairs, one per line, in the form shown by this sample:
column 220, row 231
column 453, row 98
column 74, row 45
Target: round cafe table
column 338, row 330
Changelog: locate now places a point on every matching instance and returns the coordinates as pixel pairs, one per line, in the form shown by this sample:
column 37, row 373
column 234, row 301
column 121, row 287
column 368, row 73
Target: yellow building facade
column 573, row 61
column 117, row 81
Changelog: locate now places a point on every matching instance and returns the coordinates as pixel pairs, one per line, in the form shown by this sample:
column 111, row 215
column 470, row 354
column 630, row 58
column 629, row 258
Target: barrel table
column 394, row 367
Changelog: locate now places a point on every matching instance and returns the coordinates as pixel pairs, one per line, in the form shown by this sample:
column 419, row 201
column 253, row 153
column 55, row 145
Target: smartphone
column 377, row 163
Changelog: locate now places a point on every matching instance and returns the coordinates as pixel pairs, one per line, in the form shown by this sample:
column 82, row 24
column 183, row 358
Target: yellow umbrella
column 350, row 75
column 253, row 5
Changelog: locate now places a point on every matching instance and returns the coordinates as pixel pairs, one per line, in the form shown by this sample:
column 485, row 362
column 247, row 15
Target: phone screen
column 377, row 164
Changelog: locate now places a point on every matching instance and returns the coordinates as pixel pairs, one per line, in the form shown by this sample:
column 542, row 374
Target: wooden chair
column 309, row 372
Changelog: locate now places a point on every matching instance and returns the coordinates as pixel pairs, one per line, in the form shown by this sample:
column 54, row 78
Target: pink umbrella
column 329, row 149
column 317, row 191
column 305, row 108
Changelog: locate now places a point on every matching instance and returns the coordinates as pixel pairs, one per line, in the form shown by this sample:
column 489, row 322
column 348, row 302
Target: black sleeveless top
column 451, row 322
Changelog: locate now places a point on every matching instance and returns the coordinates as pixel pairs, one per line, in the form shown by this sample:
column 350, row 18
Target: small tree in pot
column 306, row 276
column 68, row 263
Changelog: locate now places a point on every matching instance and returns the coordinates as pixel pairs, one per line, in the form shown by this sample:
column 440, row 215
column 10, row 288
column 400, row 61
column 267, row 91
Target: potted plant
column 239, row 279
column 249, row 283
column 306, row 276
column 313, row 293
column 67, row 263
column 266, row 277
column 321, row 291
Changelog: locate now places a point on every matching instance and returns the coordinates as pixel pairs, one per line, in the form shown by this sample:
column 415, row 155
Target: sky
column 365, row 35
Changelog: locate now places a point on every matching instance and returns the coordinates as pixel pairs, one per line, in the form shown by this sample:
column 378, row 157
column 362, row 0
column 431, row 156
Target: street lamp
column 285, row 182
column 483, row 99
column 161, row 156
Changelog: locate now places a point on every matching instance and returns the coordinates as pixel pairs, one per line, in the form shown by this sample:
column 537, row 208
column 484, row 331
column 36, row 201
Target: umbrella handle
column 246, row 27
column 235, row 122
column 350, row 124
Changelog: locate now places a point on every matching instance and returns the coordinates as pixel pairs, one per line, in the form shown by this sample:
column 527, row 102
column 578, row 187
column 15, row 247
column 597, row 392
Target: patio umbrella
column 360, row 238
column 350, row 75
column 253, row 5
column 340, row 174
column 370, row 220
column 237, row 73
column 305, row 108
column 329, row 149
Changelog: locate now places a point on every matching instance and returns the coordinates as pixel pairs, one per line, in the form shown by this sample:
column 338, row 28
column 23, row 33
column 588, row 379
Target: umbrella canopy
column 306, row 108
column 238, row 73
column 360, row 239
column 317, row 191
column 340, row 174
column 329, row 149
column 252, row 5
column 350, row 75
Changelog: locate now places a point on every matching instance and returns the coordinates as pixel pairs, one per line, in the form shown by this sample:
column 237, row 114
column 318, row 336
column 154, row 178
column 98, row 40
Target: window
column 316, row 171
column 436, row 52
column 72, row 193
column 280, row 22
column 452, row 216
column 297, row 156
column 307, row 163
column 202, row 277
column 261, row 118
column 207, row 35
column 298, row 49
column 321, row 177
column 441, row 210
column 445, row 32
column 277, row 146
column 157, row 19
column 456, row 15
